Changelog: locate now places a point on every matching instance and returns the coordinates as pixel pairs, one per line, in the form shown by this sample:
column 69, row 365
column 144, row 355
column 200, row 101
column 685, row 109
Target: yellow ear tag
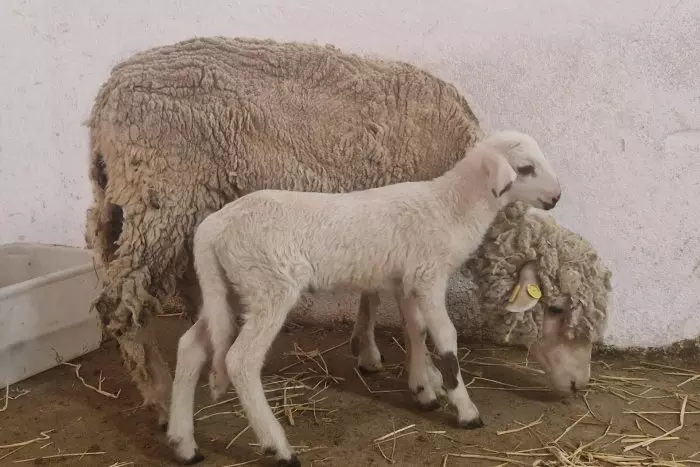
column 515, row 293
column 534, row 291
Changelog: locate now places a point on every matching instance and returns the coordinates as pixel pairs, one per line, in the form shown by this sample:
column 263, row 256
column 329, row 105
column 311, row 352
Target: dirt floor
column 629, row 403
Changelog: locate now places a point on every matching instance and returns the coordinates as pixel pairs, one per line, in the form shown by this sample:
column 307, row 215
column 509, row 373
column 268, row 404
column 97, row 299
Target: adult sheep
column 178, row 131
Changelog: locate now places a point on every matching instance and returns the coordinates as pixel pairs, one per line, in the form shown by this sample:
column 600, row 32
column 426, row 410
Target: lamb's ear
column 499, row 172
column 526, row 293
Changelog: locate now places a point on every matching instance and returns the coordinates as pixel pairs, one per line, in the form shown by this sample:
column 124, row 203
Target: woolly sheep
column 178, row 131
column 268, row 247
column 523, row 247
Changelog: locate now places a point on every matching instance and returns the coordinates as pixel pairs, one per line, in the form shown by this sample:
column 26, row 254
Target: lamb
column 561, row 317
column 267, row 248
column 178, row 131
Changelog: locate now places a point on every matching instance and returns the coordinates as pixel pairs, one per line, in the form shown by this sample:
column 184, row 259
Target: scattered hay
column 523, row 427
column 289, row 394
column 60, row 456
column 44, row 435
column 307, row 354
column 638, row 438
column 482, row 457
column 661, row 437
column 375, row 391
column 8, row 397
column 635, row 447
column 392, row 435
column 100, row 379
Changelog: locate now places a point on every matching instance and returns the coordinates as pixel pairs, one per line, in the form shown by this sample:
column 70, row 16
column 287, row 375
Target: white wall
column 611, row 89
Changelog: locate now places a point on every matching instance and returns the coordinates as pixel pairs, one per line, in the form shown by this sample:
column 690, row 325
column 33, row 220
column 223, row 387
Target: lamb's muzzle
column 547, row 205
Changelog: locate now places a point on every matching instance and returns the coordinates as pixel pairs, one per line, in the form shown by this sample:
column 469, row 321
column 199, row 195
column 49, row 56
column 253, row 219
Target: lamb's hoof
column 381, row 357
column 471, row 424
column 163, row 426
column 429, row 406
column 291, row 462
column 196, row 459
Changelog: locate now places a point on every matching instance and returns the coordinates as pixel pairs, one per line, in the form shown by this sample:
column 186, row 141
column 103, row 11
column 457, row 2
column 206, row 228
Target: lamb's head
column 518, row 171
column 544, row 286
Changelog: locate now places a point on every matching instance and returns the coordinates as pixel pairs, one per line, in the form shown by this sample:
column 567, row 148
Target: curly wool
column 569, row 269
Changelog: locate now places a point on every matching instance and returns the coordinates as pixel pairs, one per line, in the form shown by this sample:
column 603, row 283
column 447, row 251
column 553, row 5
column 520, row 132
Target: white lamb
column 266, row 248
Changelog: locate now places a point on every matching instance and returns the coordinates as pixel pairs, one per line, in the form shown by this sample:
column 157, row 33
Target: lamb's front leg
column 362, row 343
column 424, row 379
column 444, row 335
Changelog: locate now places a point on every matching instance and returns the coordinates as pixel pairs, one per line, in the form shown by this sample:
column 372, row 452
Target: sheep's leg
column 362, row 344
column 264, row 318
column 444, row 335
column 142, row 254
column 424, row 381
column 149, row 370
column 191, row 357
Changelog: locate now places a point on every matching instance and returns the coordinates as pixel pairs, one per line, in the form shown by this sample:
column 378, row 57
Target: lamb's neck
column 469, row 203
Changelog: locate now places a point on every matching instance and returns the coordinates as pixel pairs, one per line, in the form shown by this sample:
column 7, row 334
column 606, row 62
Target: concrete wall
column 610, row 88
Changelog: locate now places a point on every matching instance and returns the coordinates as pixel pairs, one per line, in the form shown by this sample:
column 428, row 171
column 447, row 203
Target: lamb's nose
column 547, row 206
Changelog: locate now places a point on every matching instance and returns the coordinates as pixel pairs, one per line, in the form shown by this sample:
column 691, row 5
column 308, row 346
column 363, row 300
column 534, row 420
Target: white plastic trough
column 45, row 295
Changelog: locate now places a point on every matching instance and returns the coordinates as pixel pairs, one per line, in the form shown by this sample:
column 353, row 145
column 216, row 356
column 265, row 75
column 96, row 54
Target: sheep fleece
column 178, row 131
column 569, row 269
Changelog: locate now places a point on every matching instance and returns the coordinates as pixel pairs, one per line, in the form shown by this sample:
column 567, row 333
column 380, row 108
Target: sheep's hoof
column 163, row 426
column 370, row 369
column 429, row 406
column 196, row 459
column 471, row 424
column 291, row 462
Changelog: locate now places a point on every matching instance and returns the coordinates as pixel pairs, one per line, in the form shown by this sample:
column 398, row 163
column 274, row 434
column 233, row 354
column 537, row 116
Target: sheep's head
column 518, row 171
column 544, row 286
column 565, row 359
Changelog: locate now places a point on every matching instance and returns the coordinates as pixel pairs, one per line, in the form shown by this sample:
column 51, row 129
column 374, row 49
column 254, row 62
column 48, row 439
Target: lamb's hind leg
column 191, row 357
column 263, row 319
column 362, row 343
column 222, row 334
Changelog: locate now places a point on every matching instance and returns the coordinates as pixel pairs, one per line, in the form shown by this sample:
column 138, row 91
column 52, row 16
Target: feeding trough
column 45, row 295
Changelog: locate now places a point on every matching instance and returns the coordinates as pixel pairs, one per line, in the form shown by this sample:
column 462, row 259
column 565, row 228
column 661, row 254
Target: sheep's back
column 261, row 114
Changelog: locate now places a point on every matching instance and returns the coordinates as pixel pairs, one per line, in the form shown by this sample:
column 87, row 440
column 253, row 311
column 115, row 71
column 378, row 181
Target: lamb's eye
column 526, row 170
column 555, row 310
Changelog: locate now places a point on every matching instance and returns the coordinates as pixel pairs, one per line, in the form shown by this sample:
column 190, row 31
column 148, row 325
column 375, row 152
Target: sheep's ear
column 526, row 293
column 499, row 172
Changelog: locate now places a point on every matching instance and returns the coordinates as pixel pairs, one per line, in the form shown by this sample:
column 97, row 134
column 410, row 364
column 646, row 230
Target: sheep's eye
column 555, row 310
column 526, row 170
